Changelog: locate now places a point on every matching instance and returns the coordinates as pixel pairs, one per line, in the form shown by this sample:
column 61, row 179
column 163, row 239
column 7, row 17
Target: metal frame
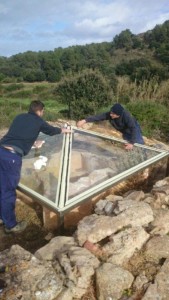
column 64, row 171
column 62, row 204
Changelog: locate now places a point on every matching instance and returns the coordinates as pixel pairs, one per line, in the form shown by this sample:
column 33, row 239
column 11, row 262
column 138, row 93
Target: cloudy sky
column 40, row 25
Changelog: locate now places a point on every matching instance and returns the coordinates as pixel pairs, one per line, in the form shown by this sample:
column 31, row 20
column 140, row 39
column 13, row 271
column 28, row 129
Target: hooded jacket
column 126, row 123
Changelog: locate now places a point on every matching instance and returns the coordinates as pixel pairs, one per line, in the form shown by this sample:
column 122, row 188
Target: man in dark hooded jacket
column 122, row 121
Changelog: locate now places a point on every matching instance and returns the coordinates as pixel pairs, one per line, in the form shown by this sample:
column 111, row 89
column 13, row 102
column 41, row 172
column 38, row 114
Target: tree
column 51, row 65
column 34, row 75
column 84, row 93
column 124, row 39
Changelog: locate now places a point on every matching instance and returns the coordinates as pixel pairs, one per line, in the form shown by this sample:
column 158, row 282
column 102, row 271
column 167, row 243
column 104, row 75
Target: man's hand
column 38, row 144
column 128, row 146
column 66, row 130
column 81, row 123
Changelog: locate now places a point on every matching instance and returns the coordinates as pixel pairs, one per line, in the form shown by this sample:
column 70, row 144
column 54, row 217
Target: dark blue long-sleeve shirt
column 24, row 131
column 126, row 123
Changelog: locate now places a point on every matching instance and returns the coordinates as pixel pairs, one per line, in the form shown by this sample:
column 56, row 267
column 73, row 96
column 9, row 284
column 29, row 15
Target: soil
column 33, row 236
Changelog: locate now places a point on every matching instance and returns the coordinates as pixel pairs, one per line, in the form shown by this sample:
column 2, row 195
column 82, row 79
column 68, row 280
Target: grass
column 10, row 107
column 16, row 97
column 153, row 118
column 148, row 102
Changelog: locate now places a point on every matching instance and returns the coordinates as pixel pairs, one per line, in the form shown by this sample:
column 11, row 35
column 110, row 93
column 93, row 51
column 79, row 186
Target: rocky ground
column 119, row 252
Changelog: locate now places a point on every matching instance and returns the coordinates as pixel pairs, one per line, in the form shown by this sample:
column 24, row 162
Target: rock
column 95, row 228
column 162, row 187
column 91, row 162
column 134, row 195
column 150, row 200
column 126, row 204
column 160, row 183
column 78, row 264
column 159, row 290
column 55, row 246
column 123, row 244
column 49, row 236
column 66, row 294
column 114, row 198
column 104, row 207
column 141, row 282
column 161, row 222
column 109, row 207
column 99, row 207
column 27, row 277
column 161, row 197
column 85, row 182
column 157, row 248
column 111, row 281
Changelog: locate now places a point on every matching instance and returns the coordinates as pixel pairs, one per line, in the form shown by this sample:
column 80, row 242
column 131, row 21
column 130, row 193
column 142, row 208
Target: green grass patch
column 10, row 107
column 153, row 118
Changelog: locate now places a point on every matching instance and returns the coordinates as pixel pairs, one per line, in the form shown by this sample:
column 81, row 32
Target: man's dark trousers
column 10, row 168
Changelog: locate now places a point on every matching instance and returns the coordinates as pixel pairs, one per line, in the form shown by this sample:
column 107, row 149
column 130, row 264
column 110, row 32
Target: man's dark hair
column 36, row 105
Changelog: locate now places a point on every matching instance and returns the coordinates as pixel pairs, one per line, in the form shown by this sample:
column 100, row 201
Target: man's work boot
column 18, row 228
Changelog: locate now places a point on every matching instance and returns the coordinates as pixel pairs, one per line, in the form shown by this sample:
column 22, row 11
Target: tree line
column 138, row 56
column 84, row 80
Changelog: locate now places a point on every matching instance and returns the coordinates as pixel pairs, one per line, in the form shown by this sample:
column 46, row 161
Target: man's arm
column 48, row 129
column 100, row 117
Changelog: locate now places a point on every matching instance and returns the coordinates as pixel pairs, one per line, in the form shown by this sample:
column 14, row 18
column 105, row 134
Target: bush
column 14, row 87
column 84, row 94
column 152, row 116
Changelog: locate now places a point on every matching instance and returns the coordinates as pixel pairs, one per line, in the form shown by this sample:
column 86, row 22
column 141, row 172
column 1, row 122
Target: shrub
column 152, row 116
column 14, row 87
column 84, row 93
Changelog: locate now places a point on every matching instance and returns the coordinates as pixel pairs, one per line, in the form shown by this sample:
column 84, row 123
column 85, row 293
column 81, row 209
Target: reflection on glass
column 95, row 159
column 40, row 168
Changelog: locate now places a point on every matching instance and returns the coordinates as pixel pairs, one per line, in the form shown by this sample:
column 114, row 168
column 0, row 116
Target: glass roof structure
column 71, row 168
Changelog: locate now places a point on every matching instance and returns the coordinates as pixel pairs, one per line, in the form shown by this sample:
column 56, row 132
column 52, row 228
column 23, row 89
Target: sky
column 44, row 25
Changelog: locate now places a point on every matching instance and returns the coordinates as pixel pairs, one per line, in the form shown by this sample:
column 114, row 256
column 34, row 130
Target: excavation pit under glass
column 72, row 168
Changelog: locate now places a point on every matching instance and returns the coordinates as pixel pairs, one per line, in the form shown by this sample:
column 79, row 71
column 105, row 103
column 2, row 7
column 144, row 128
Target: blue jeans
column 10, row 168
column 139, row 138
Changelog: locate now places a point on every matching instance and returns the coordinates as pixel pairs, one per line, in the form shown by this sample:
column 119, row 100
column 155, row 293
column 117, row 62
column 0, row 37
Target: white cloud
column 44, row 25
column 159, row 20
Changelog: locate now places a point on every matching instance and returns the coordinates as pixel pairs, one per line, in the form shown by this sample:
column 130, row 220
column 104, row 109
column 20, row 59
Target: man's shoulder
column 20, row 116
column 127, row 114
column 28, row 117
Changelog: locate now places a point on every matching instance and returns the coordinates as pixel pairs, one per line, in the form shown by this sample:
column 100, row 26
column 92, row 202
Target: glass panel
column 95, row 159
column 40, row 168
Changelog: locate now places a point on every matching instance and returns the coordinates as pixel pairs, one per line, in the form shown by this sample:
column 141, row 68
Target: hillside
column 149, row 50
column 83, row 80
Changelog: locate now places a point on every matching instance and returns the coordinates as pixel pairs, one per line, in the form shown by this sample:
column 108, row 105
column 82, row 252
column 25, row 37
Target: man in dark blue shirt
column 18, row 141
column 122, row 121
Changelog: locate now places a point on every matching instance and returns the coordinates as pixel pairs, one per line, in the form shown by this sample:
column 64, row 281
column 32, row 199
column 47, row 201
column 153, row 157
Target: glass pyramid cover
column 71, row 168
